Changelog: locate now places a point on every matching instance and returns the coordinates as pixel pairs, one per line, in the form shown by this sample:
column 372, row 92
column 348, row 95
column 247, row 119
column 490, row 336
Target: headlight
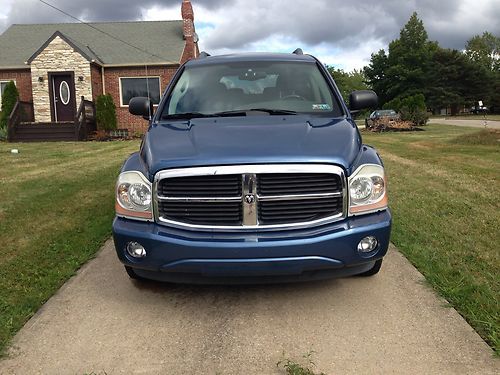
column 133, row 196
column 367, row 189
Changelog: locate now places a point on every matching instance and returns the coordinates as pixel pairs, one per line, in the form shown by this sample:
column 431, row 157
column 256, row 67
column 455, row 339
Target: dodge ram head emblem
column 249, row 198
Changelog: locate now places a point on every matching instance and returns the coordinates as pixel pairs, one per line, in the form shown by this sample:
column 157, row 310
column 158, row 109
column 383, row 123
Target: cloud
column 340, row 32
column 89, row 10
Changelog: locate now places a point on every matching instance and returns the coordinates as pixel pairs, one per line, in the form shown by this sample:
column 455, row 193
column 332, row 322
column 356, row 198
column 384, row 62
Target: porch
column 23, row 128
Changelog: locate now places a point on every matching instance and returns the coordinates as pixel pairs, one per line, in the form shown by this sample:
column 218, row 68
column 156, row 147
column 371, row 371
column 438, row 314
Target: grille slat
column 202, row 213
column 292, row 198
column 201, row 186
column 278, row 212
column 297, row 183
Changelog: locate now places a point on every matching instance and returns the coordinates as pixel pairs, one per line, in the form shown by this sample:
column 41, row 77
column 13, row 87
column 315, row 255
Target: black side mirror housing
column 362, row 99
column 141, row 106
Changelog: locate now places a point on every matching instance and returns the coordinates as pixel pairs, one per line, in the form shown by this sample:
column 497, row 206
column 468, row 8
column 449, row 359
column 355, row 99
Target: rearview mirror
column 141, row 106
column 362, row 99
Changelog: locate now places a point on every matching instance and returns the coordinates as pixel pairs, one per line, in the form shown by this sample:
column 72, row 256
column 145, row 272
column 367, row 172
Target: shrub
column 393, row 104
column 9, row 99
column 412, row 108
column 105, row 113
column 3, row 134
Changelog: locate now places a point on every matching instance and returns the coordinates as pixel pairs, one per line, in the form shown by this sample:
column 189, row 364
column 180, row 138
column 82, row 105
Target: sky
column 339, row 32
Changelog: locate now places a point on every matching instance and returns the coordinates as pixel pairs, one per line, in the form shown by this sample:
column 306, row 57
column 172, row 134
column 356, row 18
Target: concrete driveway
column 102, row 322
column 492, row 124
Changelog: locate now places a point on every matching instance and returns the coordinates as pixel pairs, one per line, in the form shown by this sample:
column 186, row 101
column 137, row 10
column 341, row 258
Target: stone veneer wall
column 58, row 56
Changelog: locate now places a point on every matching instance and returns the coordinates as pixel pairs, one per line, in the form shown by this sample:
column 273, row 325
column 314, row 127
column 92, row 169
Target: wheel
column 131, row 273
column 374, row 270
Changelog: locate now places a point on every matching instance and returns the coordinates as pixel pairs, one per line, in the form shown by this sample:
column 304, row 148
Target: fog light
column 367, row 244
column 136, row 250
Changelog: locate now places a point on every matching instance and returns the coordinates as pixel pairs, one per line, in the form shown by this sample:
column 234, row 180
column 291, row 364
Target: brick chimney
column 191, row 48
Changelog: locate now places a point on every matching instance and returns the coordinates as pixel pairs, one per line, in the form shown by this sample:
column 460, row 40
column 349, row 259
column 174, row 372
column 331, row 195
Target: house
column 54, row 66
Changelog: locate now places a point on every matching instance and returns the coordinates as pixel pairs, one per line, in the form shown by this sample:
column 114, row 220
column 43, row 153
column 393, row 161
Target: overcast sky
column 341, row 33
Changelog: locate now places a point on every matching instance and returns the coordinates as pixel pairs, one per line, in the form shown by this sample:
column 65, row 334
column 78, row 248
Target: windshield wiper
column 185, row 115
column 243, row 112
column 236, row 112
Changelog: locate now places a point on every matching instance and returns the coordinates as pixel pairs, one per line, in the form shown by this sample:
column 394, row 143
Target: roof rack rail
column 203, row 54
column 298, row 51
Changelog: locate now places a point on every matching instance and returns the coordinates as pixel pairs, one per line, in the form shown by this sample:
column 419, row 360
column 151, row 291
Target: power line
column 100, row 30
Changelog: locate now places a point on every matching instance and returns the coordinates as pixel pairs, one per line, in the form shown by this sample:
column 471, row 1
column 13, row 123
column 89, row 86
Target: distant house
column 55, row 65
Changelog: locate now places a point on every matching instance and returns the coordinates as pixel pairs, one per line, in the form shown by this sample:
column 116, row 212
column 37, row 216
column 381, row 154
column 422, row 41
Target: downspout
column 103, row 82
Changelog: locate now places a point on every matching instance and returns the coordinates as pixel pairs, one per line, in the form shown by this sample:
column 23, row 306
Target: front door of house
column 62, row 97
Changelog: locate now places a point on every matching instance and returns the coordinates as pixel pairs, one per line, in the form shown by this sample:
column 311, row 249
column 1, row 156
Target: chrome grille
column 203, row 213
column 297, row 183
column 250, row 196
column 199, row 186
column 297, row 210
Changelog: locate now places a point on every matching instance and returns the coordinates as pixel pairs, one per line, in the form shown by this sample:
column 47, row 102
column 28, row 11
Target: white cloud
column 340, row 33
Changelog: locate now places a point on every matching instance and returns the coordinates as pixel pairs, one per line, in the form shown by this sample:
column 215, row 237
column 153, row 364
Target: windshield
column 275, row 87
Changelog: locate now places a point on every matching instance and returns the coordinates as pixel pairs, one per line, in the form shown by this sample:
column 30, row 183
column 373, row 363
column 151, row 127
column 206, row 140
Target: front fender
column 367, row 155
column 135, row 163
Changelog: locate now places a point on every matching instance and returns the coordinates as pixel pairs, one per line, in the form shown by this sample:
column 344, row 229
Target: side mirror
column 362, row 99
column 141, row 106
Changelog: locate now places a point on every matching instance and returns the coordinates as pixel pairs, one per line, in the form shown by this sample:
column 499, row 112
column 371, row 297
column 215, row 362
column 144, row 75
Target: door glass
column 64, row 92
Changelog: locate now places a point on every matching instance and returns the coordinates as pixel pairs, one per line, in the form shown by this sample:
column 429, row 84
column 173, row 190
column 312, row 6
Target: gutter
column 15, row 67
column 140, row 64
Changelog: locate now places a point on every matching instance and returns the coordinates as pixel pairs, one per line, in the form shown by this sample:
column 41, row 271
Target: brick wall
column 191, row 45
column 22, row 77
column 112, row 86
column 96, row 79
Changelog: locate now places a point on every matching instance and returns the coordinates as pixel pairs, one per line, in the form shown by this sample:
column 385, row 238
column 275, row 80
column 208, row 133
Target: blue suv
column 252, row 171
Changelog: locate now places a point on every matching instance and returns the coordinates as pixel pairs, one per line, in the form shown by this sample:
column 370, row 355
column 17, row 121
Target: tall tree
column 376, row 75
column 409, row 60
column 484, row 50
column 405, row 70
column 455, row 80
column 347, row 82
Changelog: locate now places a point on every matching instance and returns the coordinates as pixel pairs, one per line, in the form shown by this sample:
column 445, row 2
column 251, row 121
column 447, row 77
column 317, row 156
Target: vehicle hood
column 250, row 140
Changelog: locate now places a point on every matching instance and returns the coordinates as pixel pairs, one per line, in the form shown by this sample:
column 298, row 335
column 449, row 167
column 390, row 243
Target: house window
column 138, row 86
column 3, row 84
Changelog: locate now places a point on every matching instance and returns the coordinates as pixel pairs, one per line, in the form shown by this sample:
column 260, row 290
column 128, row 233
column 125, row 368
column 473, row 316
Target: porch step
column 37, row 132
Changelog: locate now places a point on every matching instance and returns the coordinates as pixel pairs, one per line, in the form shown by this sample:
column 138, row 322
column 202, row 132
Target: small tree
column 412, row 108
column 105, row 113
column 9, row 99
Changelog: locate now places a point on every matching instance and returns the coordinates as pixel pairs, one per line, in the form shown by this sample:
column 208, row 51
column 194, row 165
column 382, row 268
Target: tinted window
column 132, row 87
column 290, row 86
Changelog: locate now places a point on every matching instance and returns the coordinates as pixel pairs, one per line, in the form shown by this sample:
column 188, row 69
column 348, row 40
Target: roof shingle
column 157, row 41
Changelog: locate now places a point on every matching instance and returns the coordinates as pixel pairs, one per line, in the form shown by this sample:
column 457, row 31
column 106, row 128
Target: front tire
column 374, row 270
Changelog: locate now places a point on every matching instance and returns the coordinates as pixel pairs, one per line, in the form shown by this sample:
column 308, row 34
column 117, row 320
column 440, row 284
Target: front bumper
column 216, row 257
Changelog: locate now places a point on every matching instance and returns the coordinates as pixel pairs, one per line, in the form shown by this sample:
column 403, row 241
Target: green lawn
column 56, row 209
column 444, row 186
